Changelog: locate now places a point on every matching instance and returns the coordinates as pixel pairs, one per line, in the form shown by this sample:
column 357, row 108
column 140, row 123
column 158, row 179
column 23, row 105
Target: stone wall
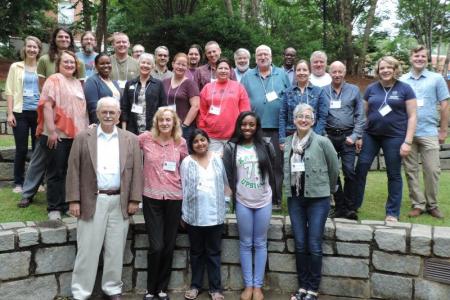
column 366, row 259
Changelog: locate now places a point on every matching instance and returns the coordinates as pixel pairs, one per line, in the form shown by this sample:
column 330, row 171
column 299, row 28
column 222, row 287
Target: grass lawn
column 6, row 141
column 372, row 209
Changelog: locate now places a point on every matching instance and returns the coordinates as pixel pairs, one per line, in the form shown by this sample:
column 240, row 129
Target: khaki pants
column 428, row 149
column 108, row 229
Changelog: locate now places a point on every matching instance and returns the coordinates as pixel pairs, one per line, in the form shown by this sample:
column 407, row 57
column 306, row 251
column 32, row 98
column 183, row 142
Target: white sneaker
column 17, row 189
column 54, row 215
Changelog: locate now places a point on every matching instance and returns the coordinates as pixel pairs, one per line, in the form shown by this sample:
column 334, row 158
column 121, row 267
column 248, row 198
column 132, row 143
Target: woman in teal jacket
column 310, row 174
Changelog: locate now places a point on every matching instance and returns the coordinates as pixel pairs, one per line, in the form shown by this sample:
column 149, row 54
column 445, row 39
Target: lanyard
column 145, row 92
column 117, row 70
column 386, row 96
column 339, row 95
column 176, row 92
column 221, row 97
column 262, row 82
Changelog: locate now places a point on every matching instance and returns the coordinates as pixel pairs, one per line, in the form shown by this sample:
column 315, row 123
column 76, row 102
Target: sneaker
column 163, row 296
column 54, row 215
column 391, row 219
column 148, row 296
column 17, row 189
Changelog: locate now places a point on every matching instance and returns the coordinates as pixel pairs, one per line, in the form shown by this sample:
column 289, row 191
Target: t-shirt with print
column 252, row 190
column 394, row 123
column 89, row 62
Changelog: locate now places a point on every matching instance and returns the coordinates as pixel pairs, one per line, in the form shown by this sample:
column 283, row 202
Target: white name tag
column 335, row 104
column 385, row 110
column 298, row 167
column 132, row 87
column 271, row 96
column 204, row 187
column 213, row 79
column 173, row 107
column 215, row 110
column 28, row 93
column 170, row 166
column 80, row 95
column 137, row 109
column 121, row 83
column 420, row 102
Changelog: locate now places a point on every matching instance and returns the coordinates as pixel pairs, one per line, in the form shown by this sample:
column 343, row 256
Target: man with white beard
column 242, row 62
column 87, row 53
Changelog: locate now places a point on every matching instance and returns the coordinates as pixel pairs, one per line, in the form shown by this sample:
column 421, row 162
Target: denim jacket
column 321, row 167
column 313, row 96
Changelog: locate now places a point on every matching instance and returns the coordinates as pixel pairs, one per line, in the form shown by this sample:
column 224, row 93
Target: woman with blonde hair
column 164, row 148
column 22, row 96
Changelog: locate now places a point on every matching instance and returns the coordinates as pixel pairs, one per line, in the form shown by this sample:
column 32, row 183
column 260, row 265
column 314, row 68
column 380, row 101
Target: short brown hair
column 77, row 63
column 23, row 54
column 417, row 49
column 392, row 61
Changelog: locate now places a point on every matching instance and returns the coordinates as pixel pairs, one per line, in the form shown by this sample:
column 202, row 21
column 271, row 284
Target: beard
column 88, row 49
column 243, row 68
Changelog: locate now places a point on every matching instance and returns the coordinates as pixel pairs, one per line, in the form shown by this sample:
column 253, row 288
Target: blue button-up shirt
column 432, row 89
column 257, row 87
column 312, row 95
column 351, row 113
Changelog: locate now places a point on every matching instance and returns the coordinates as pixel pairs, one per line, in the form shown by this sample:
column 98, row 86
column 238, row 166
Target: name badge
column 137, row 109
column 335, row 104
column 173, row 107
column 420, row 102
column 298, row 167
column 271, row 96
column 121, row 83
column 215, row 110
column 385, row 110
column 28, row 93
column 204, row 187
column 132, row 87
column 80, row 95
column 213, row 79
column 170, row 166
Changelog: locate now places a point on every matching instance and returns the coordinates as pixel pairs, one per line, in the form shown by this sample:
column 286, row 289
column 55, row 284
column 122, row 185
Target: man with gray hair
column 319, row 77
column 242, row 62
column 137, row 51
column 161, row 71
column 104, row 187
column 265, row 85
column 345, row 126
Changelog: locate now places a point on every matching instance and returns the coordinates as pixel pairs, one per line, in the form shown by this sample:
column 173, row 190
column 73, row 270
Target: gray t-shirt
column 252, row 190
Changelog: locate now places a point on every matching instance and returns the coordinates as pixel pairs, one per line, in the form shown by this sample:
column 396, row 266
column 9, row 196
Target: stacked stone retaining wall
column 366, row 259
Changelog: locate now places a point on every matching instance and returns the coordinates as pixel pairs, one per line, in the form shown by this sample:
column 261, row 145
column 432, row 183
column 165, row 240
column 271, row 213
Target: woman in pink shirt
column 221, row 102
column 164, row 149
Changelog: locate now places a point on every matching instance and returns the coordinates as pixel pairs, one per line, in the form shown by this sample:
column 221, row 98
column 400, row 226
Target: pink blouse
column 162, row 162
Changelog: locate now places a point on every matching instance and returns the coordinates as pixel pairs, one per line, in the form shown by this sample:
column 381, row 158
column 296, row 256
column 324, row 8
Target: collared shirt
column 350, row 115
column 312, row 95
column 258, row 87
column 290, row 73
column 239, row 74
column 205, row 74
column 321, row 81
column 108, row 160
column 430, row 89
column 161, row 75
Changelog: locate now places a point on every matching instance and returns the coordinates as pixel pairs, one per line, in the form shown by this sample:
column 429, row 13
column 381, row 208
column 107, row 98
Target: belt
column 109, row 192
column 335, row 131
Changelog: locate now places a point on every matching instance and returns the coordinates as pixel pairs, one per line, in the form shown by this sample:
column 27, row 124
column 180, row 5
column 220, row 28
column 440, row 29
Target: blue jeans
column 26, row 123
column 308, row 217
column 391, row 149
column 253, row 225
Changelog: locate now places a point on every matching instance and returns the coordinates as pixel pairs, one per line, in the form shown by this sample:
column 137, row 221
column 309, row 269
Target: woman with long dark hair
column 248, row 160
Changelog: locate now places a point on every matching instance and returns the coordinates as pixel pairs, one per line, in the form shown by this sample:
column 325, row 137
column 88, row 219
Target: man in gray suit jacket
column 103, row 188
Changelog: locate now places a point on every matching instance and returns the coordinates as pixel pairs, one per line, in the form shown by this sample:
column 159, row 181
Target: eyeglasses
column 304, row 117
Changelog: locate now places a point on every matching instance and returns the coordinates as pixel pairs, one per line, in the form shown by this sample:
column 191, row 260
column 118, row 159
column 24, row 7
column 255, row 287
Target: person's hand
column 52, row 140
column 404, row 150
column 358, row 145
column 11, row 120
column 349, row 141
column 442, row 136
column 93, row 125
column 282, row 147
column 133, row 207
column 74, row 209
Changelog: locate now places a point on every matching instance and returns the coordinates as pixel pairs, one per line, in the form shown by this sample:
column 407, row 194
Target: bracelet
column 407, row 143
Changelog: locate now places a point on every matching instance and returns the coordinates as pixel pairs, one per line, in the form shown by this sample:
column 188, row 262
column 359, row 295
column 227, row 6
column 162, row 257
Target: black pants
column 162, row 218
column 206, row 244
column 345, row 196
column 26, row 123
column 277, row 164
column 56, row 173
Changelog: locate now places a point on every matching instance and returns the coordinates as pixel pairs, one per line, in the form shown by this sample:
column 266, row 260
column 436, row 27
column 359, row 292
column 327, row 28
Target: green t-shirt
column 124, row 70
column 45, row 67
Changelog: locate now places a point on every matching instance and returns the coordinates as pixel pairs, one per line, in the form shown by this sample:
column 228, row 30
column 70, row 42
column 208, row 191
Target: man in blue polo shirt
column 431, row 90
column 265, row 85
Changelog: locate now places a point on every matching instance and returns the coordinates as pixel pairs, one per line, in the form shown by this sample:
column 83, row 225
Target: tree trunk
column 229, row 7
column 255, row 9
column 346, row 15
column 242, row 9
column 87, row 14
column 447, row 60
column 324, row 23
column 101, row 32
column 367, row 31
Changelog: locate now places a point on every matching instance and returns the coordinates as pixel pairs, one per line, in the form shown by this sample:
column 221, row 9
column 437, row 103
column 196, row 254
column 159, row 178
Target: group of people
column 214, row 138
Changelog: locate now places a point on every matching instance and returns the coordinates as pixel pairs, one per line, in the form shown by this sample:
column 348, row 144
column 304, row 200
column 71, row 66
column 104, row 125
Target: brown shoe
column 25, row 202
column 435, row 212
column 415, row 212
